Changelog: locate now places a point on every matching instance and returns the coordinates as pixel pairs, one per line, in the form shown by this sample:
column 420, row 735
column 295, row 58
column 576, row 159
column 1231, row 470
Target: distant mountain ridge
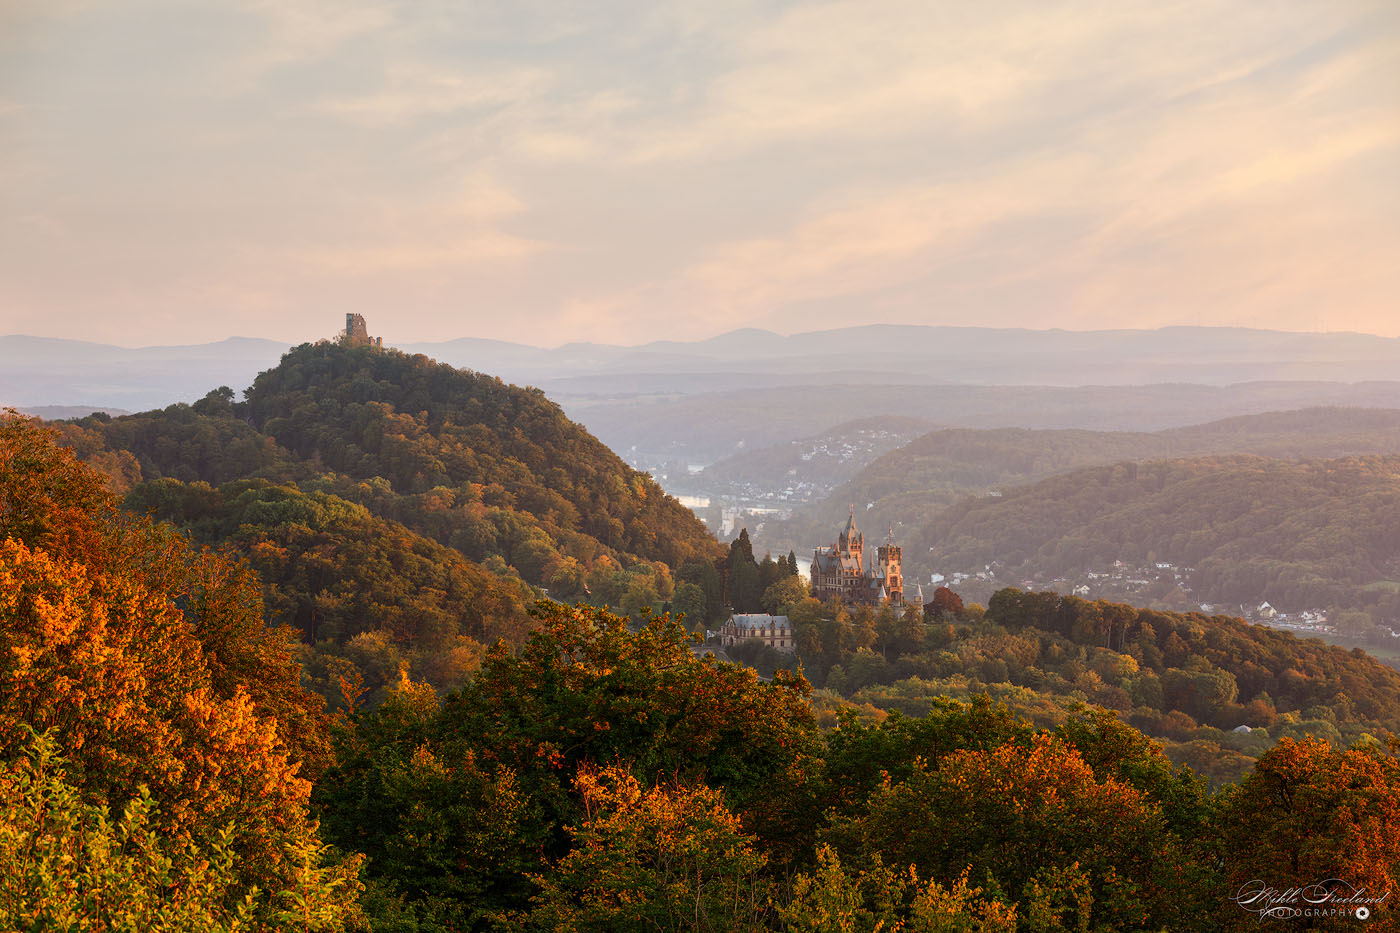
column 971, row 355
column 42, row 371
column 52, row 371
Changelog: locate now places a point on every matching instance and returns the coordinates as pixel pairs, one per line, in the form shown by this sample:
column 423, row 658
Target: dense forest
column 368, row 595
column 910, row 487
column 400, row 511
column 163, row 767
column 1189, row 681
column 389, row 430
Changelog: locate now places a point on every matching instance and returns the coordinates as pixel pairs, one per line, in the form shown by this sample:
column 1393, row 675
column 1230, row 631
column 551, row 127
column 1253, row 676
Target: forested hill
column 908, row 486
column 421, row 425
column 1300, row 534
column 400, row 428
column 343, row 459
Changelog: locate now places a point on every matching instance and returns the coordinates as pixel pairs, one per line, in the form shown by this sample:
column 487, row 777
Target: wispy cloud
column 594, row 169
column 293, row 32
column 415, row 91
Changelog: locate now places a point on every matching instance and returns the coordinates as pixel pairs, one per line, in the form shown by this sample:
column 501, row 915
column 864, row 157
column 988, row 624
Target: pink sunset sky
column 175, row 172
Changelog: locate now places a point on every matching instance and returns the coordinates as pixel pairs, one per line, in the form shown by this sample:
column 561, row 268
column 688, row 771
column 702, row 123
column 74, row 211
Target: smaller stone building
column 774, row 631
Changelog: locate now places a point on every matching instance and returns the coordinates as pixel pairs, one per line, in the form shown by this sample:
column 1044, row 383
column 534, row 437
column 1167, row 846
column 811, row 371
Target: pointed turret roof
column 850, row 535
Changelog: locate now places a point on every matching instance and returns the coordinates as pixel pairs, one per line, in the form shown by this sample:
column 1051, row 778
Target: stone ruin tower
column 357, row 334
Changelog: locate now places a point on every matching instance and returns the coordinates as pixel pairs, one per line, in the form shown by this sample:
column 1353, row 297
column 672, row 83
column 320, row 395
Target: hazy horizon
column 392, row 343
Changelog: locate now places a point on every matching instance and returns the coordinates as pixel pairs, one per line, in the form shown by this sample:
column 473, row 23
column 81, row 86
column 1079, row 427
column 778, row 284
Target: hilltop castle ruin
column 357, row 334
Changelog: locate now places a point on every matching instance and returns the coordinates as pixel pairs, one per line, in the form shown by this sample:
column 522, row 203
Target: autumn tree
column 668, row 857
column 584, row 688
column 441, row 830
column 146, row 660
column 881, row 899
column 1308, row 813
column 787, row 592
column 862, row 755
column 70, row 864
column 1116, row 750
column 944, row 604
column 585, row 692
column 1077, row 850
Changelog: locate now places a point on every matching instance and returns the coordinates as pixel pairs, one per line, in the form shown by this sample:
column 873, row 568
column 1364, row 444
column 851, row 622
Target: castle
column 357, row 334
column 840, row 571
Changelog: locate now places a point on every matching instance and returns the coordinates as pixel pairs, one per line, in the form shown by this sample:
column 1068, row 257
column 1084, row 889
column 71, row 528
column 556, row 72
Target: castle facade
column 840, row 571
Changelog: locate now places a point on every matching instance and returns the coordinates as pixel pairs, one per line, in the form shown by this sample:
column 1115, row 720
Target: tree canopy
column 146, row 661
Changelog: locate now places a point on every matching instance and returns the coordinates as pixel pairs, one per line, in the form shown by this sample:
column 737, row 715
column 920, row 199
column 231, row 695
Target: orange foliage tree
column 1309, row 813
column 586, row 690
column 584, row 693
column 147, row 661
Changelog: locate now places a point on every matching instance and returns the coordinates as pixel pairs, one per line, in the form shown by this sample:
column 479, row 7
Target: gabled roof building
column 774, row 631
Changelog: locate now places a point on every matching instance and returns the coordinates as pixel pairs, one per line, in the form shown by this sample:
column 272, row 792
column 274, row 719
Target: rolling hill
column 909, row 486
column 418, row 441
column 1300, row 534
column 702, row 428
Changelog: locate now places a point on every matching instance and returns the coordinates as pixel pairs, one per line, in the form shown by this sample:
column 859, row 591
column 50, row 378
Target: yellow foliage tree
column 146, row 661
column 833, row 900
column 664, row 857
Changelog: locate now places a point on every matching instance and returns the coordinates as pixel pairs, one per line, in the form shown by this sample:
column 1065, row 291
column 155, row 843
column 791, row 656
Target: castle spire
column 850, row 538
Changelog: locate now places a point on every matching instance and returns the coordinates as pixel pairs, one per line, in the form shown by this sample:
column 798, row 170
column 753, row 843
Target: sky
column 543, row 172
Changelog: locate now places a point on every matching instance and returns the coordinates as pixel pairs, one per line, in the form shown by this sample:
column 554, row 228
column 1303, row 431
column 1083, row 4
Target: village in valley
column 848, row 572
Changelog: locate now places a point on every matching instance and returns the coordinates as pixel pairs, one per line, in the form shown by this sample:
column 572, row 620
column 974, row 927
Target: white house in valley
column 774, row 631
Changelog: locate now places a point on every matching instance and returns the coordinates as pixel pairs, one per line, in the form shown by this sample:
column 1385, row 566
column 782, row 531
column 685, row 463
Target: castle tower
column 839, row 570
column 357, row 332
column 890, row 567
